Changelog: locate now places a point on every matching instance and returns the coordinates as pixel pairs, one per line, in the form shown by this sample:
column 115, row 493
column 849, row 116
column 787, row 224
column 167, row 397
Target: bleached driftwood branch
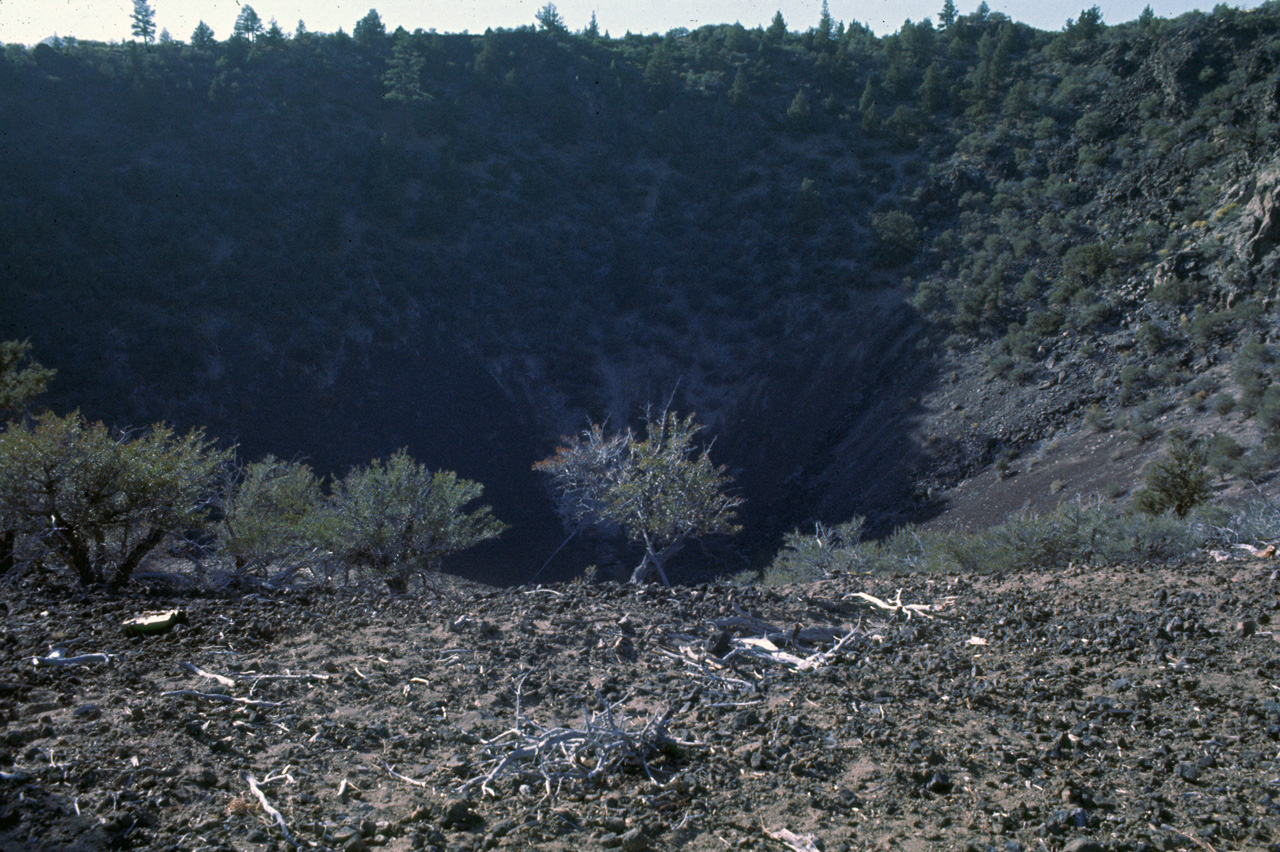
column 196, row 670
column 266, row 806
column 56, row 659
column 896, row 605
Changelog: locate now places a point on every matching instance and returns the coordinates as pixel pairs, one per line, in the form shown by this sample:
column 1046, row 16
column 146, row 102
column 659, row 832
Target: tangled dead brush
column 554, row 757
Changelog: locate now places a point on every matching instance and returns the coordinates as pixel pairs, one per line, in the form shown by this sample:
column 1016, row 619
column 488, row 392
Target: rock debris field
column 1125, row 708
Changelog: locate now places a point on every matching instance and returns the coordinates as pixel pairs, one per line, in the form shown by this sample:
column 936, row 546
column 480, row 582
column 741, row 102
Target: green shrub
column 898, row 235
column 1178, row 482
column 663, row 490
column 1072, row 533
column 813, row 556
column 1257, row 464
column 1098, row 419
column 1252, row 371
column 1268, row 416
column 1222, row 452
column 1133, row 381
column 20, row 381
column 1223, row 403
column 276, row 513
column 100, row 502
column 395, row 518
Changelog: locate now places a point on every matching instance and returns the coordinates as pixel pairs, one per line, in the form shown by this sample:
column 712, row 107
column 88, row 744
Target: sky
column 30, row 21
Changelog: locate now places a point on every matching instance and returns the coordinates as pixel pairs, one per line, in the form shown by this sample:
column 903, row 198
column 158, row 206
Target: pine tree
column 777, row 28
column 274, row 34
column 933, row 91
column 740, row 91
column 826, row 25
column 869, row 111
column 1147, row 20
column 202, row 36
column 549, row 19
column 144, row 21
column 404, row 73
column 947, row 17
column 369, row 30
column 248, row 24
column 593, row 28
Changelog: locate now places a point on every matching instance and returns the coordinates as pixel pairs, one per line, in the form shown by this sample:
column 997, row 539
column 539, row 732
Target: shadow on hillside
column 836, row 432
column 438, row 403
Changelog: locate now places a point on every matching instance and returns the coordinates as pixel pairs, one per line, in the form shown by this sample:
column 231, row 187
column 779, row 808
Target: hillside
column 877, row 267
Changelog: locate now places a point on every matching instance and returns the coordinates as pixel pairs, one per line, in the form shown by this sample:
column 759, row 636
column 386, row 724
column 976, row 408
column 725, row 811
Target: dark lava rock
column 459, row 813
column 1084, row 844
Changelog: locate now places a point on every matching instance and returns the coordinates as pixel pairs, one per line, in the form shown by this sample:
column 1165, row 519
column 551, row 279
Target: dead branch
column 555, row 756
column 250, row 677
column 196, row 670
column 414, row 781
column 791, row 840
column 217, row 696
column 266, row 806
column 56, row 659
column 896, row 605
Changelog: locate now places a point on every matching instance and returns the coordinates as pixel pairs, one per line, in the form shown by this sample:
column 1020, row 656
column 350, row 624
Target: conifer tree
column 947, row 17
column 404, row 73
column 248, row 24
column 202, row 36
column 549, row 19
column 21, row 380
column 369, row 30
column 777, row 27
column 144, row 21
column 826, row 25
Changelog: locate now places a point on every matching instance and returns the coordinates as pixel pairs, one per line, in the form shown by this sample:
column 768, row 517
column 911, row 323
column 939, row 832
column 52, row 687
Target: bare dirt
column 1128, row 708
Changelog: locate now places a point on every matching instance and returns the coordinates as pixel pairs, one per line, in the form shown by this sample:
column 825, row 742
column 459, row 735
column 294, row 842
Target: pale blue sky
column 29, row 21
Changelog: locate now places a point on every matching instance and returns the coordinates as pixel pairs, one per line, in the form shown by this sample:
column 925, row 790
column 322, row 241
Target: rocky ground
column 1126, row 708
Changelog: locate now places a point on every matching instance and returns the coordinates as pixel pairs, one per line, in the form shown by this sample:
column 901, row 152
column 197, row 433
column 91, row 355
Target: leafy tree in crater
column 662, row 490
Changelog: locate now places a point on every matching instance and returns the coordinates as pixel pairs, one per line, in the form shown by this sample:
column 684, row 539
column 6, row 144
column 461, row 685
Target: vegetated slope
column 793, row 234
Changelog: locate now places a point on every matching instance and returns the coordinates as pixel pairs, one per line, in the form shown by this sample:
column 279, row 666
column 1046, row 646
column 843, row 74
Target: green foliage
column 395, row 518
column 549, row 19
column 248, row 24
column 369, row 31
column 101, row 502
column 202, row 36
column 898, row 233
column 1222, row 452
column 777, row 30
column 1072, row 533
column 20, row 382
column 1252, row 369
column 144, row 21
column 824, row 553
column 661, row 490
column 276, row 513
column 403, row 78
column 947, row 17
column 1178, row 482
